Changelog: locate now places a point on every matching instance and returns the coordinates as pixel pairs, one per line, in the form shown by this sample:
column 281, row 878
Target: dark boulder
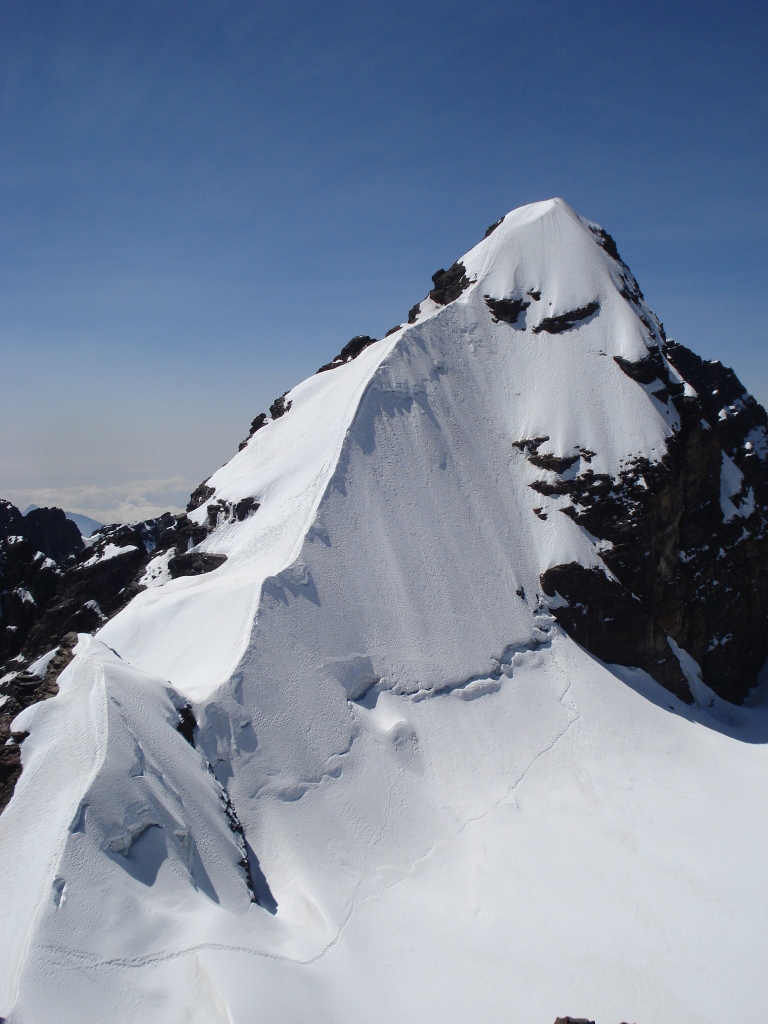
column 506, row 310
column 256, row 424
column 245, row 508
column 194, row 563
column 449, row 284
column 280, row 407
column 187, row 724
column 351, row 351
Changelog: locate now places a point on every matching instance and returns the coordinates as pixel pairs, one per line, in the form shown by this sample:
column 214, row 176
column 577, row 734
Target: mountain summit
column 428, row 707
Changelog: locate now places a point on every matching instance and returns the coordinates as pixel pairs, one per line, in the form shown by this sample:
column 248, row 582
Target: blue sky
column 202, row 201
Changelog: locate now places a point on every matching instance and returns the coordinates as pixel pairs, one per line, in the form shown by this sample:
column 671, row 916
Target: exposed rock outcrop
column 691, row 554
column 351, row 351
column 506, row 310
column 565, row 321
column 49, row 531
column 449, row 284
column 43, row 598
column 279, row 407
column 45, row 602
column 194, row 563
column 201, row 494
column 256, row 424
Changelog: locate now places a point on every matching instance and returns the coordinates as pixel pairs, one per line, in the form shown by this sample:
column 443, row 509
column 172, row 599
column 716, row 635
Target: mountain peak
column 412, row 683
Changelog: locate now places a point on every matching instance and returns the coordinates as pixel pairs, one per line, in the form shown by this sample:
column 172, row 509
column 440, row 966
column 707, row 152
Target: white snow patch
column 157, row 572
column 94, row 606
column 40, row 667
column 45, row 562
column 110, row 551
column 731, row 484
column 757, row 439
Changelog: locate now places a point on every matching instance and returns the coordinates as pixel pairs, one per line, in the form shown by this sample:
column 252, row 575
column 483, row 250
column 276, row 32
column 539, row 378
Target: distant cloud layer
column 122, row 503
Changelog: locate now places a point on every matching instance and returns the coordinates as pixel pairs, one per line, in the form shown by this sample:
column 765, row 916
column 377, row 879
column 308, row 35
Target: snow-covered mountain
column 420, row 712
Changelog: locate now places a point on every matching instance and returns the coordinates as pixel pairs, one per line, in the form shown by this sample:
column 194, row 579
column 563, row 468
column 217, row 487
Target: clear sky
column 203, row 200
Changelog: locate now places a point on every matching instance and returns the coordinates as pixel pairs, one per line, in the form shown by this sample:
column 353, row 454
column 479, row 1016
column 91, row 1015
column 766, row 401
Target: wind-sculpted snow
column 408, row 795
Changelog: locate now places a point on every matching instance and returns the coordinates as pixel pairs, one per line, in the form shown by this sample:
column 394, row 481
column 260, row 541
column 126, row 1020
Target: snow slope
column 459, row 814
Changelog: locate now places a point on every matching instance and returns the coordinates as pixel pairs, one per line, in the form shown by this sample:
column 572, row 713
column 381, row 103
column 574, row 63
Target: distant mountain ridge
column 85, row 524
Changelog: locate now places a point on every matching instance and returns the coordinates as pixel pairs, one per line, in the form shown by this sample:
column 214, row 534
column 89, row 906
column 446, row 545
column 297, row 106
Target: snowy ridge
column 409, row 794
column 287, row 467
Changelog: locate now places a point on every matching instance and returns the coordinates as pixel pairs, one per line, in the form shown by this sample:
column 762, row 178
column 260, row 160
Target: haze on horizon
column 202, row 204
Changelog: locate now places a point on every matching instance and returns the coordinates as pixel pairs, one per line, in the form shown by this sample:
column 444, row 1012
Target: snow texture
column 410, row 795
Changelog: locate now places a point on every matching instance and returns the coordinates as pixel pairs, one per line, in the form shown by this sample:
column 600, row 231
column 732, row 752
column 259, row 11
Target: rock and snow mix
column 341, row 761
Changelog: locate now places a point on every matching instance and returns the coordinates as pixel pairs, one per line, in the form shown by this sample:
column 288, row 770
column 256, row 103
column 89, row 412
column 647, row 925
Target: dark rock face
column 697, row 565
column 506, row 310
column 449, row 284
column 565, row 321
column 187, row 724
column 350, row 351
column 573, row 1020
column 612, row 624
column 699, row 572
column 49, row 531
column 553, row 463
column 245, row 508
column 199, row 496
column 647, row 370
column 256, row 424
column 42, row 599
column 220, row 512
column 11, row 520
column 279, row 407
column 606, row 241
column 194, row 563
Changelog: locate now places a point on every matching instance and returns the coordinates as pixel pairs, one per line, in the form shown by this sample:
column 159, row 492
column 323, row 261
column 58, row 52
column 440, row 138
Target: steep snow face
column 432, row 412
column 286, row 467
column 443, row 807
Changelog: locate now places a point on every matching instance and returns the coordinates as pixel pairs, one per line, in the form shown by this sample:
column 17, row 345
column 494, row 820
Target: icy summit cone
column 386, row 732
